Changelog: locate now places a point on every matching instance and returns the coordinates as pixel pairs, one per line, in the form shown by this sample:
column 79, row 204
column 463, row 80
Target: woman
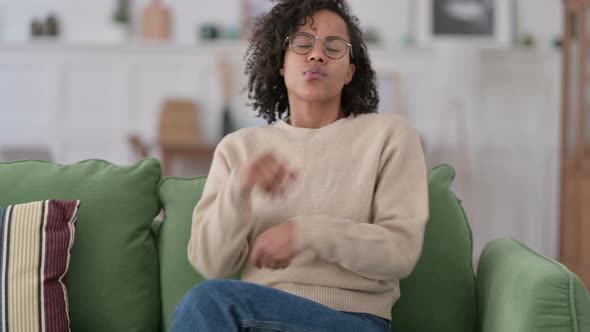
column 324, row 211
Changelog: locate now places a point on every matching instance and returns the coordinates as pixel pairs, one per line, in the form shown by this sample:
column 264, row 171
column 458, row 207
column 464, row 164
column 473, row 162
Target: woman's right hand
column 266, row 173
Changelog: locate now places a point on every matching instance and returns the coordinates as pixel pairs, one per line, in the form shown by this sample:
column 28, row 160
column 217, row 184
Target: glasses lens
column 335, row 48
column 302, row 44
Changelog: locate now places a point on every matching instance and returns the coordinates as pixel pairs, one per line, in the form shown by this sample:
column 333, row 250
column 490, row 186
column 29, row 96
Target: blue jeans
column 231, row 305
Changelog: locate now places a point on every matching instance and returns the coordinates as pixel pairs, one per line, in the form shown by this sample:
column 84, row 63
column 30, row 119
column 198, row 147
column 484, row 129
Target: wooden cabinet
column 575, row 140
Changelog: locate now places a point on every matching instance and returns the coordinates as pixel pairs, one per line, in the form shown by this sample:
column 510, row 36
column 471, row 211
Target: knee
column 203, row 293
column 198, row 305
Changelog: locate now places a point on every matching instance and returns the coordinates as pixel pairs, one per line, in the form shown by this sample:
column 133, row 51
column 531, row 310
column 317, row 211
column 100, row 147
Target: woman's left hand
column 274, row 248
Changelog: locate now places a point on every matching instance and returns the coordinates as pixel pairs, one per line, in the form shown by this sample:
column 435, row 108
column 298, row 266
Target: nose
column 317, row 53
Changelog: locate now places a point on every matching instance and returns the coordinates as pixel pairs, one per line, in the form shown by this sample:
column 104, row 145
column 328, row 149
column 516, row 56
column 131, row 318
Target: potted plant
column 121, row 19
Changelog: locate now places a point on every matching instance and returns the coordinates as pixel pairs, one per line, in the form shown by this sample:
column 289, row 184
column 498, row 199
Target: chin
column 316, row 95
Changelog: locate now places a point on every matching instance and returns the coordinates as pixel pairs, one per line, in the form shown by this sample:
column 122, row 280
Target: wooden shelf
column 188, row 151
column 170, row 151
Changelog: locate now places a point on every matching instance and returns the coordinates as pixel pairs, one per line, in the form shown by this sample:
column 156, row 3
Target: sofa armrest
column 520, row 290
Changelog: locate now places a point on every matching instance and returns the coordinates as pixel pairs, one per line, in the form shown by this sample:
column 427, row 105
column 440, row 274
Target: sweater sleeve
column 221, row 222
column 388, row 246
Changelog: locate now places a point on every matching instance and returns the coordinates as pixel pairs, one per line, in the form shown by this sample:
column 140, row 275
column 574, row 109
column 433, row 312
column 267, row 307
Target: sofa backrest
column 179, row 197
column 113, row 278
column 438, row 296
column 440, row 293
column 177, row 276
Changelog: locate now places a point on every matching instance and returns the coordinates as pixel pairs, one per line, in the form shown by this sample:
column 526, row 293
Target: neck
column 307, row 114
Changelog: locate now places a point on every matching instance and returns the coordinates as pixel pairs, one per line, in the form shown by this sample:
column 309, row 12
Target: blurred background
column 123, row 79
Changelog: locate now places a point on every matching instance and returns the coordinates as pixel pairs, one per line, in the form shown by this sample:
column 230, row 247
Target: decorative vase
column 156, row 21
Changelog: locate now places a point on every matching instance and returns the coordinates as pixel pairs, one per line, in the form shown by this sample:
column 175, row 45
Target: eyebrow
column 309, row 33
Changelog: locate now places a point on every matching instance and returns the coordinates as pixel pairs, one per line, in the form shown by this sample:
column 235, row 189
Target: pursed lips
column 314, row 73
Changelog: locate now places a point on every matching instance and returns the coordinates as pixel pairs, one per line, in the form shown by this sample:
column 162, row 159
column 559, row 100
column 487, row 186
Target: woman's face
column 316, row 77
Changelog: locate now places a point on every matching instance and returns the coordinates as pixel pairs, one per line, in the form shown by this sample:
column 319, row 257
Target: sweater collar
column 286, row 126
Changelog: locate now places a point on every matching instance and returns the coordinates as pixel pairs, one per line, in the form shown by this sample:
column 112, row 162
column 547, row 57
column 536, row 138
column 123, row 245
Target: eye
column 335, row 45
column 302, row 41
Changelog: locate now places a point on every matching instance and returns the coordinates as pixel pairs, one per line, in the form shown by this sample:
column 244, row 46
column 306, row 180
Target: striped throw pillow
column 35, row 243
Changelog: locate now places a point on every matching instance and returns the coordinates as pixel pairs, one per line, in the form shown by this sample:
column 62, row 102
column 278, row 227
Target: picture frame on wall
column 487, row 23
column 251, row 9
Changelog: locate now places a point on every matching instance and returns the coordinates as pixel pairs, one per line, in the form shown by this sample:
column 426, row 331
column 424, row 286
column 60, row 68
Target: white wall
column 507, row 159
column 494, row 115
column 90, row 20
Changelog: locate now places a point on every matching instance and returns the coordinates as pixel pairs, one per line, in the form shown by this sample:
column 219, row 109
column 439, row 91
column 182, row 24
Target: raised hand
column 266, row 173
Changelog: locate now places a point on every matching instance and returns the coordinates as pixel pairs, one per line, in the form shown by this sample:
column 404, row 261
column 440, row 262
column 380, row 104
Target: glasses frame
column 290, row 39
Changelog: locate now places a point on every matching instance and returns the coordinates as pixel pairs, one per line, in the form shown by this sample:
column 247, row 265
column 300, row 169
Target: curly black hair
column 266, row 56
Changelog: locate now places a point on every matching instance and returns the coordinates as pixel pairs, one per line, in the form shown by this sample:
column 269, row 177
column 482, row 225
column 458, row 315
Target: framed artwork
column 481, row 22
column 251, row 9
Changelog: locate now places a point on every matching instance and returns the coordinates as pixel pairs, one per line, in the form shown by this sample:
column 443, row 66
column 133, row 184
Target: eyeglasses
column 334, row 47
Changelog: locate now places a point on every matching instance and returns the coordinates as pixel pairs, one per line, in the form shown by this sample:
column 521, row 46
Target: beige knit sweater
column 359, row 204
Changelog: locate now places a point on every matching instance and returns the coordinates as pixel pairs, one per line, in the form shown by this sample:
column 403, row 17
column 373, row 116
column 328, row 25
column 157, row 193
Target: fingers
column 255, row 255
column 271, row 174
column 261, row 259
column 281, row 264
column 268, row 261
column 253, row 173
column 278, row 171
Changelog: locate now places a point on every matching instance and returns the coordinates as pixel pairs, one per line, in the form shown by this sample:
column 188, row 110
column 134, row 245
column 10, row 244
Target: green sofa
column 129, row 268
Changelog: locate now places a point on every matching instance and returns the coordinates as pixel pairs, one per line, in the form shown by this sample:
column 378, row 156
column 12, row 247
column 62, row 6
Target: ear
column 350, row 73
column 282, row 71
